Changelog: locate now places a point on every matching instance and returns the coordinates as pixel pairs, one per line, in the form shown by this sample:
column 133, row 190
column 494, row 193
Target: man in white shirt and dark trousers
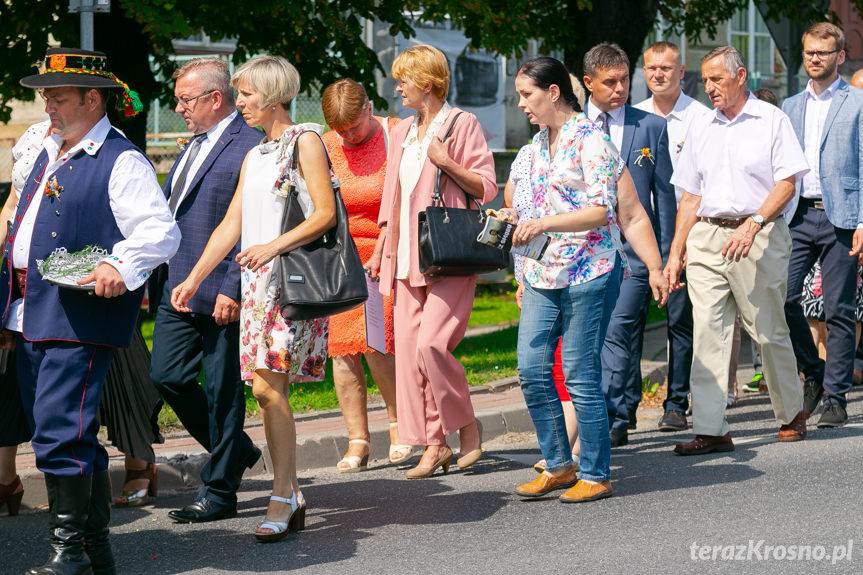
column 642, row 140
column 89, row 186
column 738, row 170
column 663, row 69
column 827, row 118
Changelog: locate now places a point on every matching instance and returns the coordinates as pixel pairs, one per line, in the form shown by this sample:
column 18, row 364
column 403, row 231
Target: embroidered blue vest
column 78, row 217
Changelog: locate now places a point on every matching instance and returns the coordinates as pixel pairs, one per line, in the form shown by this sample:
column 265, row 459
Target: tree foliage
column 574, row 26
column 326, row 39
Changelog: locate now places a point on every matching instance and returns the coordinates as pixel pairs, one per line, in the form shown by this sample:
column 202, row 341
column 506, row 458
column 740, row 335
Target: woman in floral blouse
column 579, row 197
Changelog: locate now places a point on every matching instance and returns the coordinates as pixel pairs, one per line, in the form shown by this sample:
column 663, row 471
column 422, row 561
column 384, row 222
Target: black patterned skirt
column 812, row 300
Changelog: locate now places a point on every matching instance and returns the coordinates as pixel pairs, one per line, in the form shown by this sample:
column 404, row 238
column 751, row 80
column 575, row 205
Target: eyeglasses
column 184, row 102
column 821, row 54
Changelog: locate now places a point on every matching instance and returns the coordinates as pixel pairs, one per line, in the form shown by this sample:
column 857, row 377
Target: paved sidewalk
column 321, row 436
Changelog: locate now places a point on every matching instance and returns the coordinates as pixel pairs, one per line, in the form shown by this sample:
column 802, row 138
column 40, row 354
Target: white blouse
column 414, row 156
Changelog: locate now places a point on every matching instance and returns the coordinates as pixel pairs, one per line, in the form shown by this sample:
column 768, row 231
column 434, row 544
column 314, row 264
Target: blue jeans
column 579, row 315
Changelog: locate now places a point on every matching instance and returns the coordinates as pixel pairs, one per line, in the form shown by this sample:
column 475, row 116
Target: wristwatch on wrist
column 758, row 219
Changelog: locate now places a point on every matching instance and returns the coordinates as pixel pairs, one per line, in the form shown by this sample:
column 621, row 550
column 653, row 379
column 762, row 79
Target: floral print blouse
column 583, row 173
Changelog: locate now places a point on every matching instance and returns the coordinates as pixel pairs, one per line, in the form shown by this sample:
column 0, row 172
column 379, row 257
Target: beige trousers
column 754, row 287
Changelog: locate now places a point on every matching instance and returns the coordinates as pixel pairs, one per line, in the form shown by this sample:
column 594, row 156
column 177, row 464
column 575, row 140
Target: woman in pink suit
column 431, row 313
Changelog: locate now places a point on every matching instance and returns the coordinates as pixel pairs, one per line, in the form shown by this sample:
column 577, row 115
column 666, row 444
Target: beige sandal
column 399, row 453
column 355, row 462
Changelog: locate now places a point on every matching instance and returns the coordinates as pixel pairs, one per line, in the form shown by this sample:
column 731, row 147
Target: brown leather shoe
column 586, row 491
column 796, row 430
column 705, row 444
column 546, row 483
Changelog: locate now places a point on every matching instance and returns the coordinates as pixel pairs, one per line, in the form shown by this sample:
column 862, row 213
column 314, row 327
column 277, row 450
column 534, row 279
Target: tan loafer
column 587, row 491
column 546, row 483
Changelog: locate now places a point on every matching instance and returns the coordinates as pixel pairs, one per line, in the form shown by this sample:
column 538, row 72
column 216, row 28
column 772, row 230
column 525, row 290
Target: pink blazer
column 467, row 146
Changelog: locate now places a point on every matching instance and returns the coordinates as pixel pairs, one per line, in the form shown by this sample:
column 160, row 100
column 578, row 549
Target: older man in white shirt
column 738, row 170
column 663, row 69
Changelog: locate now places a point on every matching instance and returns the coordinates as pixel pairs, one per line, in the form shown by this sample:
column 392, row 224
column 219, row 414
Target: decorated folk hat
column 84, row 69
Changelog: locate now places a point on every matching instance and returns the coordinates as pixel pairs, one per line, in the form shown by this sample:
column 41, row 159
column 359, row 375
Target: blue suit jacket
column 841, row 153
column 652, row 178
column 207, row 199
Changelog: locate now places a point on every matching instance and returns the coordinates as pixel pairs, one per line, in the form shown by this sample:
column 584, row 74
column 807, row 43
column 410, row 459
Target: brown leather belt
column 812, row 203
column 725, row 222
column 20, row 280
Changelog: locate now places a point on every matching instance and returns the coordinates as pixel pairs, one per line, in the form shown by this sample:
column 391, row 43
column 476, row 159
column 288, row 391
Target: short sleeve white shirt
column 734, row 164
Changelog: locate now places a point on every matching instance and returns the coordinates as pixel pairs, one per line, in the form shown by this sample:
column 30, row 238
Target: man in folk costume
column 89, row 186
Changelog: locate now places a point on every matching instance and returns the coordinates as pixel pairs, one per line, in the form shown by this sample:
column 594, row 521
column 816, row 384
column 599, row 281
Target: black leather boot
column 96, row 540
column 68, row 505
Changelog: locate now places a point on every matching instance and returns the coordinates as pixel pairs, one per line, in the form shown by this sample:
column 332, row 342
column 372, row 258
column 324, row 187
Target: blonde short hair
column 423, row 65
column 273, row 77
column 343, row 102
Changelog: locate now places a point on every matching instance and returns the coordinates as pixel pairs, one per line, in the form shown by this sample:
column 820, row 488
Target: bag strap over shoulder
column 295, row 165
column 384, row 122
column 437, row 197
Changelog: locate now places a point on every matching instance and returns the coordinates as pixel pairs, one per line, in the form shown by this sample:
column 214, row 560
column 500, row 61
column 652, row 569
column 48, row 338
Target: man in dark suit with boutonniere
column 90, row 186
column 199, row 189
column 642, row 139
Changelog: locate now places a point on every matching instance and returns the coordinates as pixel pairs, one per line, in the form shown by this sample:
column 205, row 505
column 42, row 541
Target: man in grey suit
column 642, row 139
column 828, row 224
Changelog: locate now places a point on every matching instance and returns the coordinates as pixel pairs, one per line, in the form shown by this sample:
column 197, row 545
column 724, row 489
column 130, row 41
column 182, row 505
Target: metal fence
column 164, row 126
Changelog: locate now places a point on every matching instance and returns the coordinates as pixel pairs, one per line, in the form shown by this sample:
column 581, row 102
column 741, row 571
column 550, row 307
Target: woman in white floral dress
column 274, row 351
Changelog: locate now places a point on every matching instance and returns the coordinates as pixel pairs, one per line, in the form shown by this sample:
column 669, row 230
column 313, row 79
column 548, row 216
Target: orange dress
column 361, row 174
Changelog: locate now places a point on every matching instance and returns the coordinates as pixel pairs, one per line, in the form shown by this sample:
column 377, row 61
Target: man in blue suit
column 828, row 223
column 642, row 139
column 199, row 189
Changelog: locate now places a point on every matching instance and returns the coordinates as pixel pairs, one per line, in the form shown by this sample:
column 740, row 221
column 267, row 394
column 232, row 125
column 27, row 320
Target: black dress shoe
column 813, row 390
column 834, row 416
column 619, row 437
column 201, row 511
column 672, row 421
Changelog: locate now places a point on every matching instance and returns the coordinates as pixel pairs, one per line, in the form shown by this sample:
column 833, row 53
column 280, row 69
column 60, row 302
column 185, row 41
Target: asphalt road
column 756, row 510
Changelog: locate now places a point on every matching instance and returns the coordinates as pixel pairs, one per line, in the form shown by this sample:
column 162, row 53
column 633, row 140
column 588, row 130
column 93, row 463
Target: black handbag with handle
column 447, row 237
column 323, row 277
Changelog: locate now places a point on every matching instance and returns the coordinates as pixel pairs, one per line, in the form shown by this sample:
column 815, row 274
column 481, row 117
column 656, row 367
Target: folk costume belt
column 20, row 280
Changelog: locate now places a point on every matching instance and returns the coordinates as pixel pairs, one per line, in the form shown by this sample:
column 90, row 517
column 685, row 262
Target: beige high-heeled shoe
column 403, row 452
column 355, row 462
column 475, row 455
column 425, row 472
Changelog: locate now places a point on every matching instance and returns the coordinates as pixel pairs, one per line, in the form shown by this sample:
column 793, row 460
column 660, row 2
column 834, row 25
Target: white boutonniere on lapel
column 644, row 154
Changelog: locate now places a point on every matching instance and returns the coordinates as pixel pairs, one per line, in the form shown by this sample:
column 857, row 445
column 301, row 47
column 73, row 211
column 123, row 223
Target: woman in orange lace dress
column 357, row 145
